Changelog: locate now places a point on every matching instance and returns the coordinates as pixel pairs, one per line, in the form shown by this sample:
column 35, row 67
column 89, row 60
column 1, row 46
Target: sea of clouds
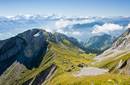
column 78, row 27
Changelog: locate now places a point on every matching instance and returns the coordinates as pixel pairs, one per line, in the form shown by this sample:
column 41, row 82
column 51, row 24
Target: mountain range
column 97, row 44
column 116, row 58
column 57, row 50
column 38, row 57
column 78, row 27
column 35, row 53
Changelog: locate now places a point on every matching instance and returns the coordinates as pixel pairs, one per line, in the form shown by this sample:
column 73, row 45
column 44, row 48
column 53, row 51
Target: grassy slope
column 105, row 79
column 64, row 55
column 113, row 62
column 13, row 76
column 66, row 78
column 67, row 58
column 71, row 59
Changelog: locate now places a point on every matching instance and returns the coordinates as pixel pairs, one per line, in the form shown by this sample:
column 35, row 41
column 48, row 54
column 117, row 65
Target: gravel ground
column 90, row 71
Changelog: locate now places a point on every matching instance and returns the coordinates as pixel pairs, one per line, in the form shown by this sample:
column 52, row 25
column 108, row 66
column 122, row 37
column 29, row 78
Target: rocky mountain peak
column 123, row 41
column 26, row 48
column 119, row 46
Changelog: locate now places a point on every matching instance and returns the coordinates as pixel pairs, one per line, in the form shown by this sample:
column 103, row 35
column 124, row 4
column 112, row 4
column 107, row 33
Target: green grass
column 66, row 42
column 46, row 62
column 67, row 58
column 63, row 56
column 25, row 74
column 112, row 62
column 105, row 79
column 71, row 58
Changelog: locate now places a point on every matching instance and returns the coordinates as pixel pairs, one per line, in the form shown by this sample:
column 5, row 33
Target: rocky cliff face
column 123, row 41
column 26, row 48
column 120, row 45
column 117, row 58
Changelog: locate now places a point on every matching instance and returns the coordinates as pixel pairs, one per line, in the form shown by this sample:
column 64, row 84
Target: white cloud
column 106, row 28
column 128, row 25
column 76, row 33
column 83, row 21
column 60, row 26
column 62, row 23
column 47, row 29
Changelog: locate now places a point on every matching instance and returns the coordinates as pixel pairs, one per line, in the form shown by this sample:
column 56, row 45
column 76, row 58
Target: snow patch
column 37, row 34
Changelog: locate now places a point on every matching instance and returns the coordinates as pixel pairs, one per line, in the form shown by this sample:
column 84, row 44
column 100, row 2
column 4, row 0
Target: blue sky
column 65, row 7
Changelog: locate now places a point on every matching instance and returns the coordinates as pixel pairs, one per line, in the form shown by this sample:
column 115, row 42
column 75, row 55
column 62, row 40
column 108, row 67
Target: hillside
column 34, row 56
column 98, row 43
column 108, row 68
column 117, row 57
column 37, row 57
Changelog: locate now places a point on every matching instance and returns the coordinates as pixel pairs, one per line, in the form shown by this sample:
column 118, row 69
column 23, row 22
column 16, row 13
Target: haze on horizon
column 65, row 7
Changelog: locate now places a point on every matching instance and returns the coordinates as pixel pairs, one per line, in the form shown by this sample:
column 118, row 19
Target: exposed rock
column 69, row 70
column 118, row 55
column 120, row 46
column 126, row 68
column 90, row 71
column 28, row 54
column 36, row 47
column 41, row 77
column 81, row 65
column 25, row 48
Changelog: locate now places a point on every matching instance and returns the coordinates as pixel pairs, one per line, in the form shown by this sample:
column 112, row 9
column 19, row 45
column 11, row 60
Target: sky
column 65, row 7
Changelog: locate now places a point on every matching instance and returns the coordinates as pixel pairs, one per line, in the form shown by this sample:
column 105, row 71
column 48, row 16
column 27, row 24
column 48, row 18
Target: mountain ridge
column 37, row 57
column 33, row 52
column 117, row 57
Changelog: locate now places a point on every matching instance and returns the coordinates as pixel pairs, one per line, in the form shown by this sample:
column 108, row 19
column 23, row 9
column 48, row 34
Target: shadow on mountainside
column 25, row 48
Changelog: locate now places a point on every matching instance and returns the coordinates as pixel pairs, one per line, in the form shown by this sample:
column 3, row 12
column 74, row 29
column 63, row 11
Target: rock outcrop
column 28, row 58
column 26, row 48
column 117, row 58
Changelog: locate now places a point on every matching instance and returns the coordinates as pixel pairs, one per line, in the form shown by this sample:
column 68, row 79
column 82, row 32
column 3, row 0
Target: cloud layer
column 79, row 27
column 106, row 28
column 62, row 23
column 128, row 25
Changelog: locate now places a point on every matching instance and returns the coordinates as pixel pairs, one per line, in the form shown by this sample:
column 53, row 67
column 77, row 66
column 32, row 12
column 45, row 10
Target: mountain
column 37, row 57
column 117, row 58
column 99, row 43
column 109, row 68
column 34, row 56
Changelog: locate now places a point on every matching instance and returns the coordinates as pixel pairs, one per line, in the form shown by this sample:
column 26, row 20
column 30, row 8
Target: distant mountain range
column 89, row 30
column 97, row 44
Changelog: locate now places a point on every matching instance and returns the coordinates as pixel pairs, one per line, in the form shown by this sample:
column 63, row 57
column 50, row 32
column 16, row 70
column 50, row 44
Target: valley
column 64, row 42
column 63, row 62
